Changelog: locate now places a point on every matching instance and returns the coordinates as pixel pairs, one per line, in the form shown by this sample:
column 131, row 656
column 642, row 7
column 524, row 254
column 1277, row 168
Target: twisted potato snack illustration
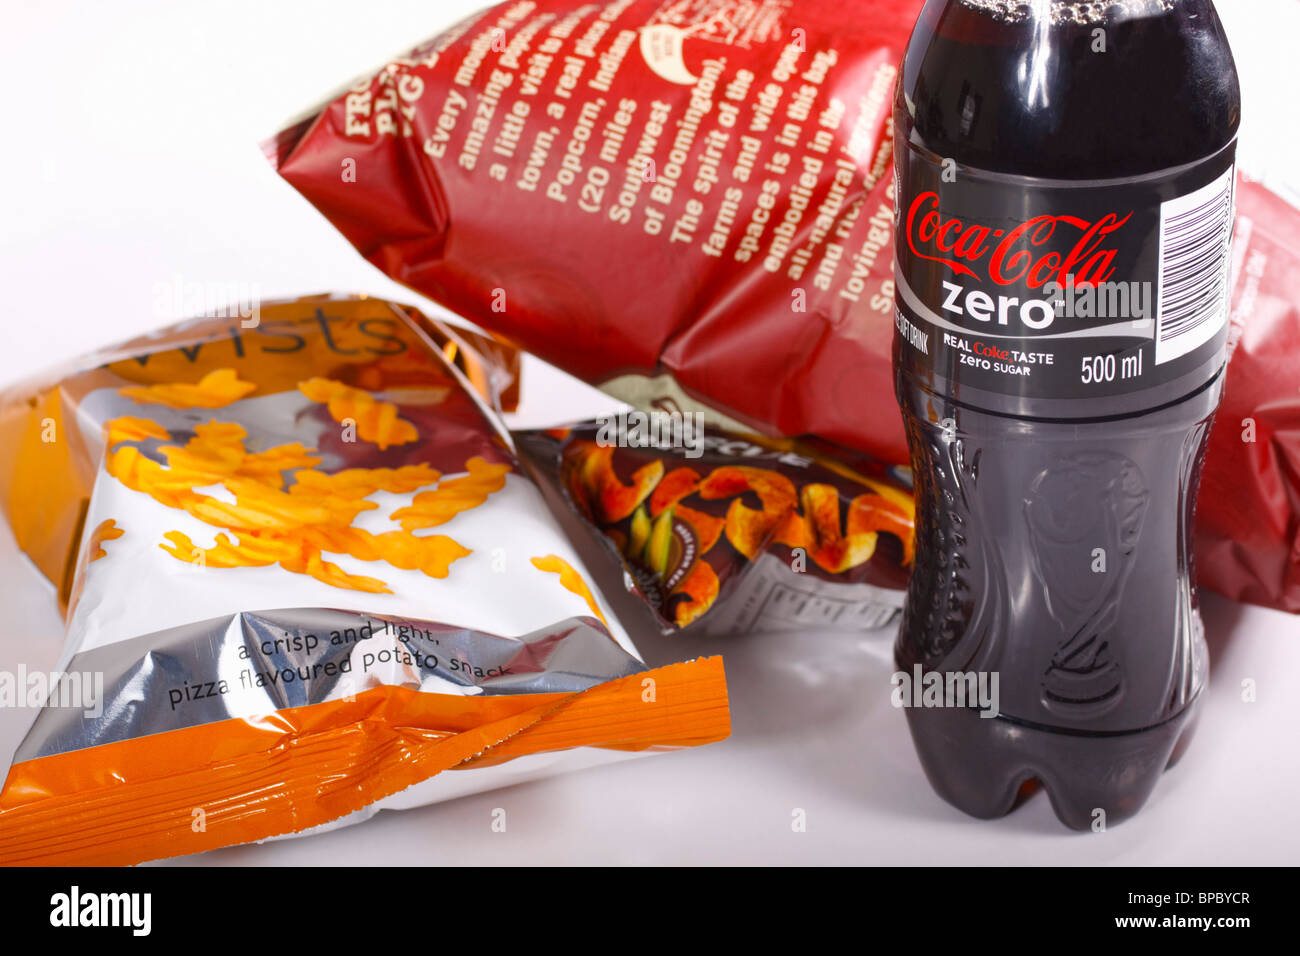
column 217, row 389
column 294, row 525
column 376, row 422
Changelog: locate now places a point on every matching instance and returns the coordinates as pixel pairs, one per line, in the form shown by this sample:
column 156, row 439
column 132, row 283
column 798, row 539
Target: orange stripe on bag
column 255, row 778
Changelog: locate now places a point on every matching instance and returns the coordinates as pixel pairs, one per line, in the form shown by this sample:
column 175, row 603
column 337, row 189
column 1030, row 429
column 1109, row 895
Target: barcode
column 772, row 596
column 791, row 607
column 1195, row 231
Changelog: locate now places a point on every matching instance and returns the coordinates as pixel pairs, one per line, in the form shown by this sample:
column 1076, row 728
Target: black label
column 1062, row 299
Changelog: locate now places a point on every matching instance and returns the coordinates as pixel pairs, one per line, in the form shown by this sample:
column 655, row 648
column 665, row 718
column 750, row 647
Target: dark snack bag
column 734, row 531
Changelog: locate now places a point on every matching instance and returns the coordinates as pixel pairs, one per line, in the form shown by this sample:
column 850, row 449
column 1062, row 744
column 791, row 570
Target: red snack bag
column 650, row 194
column 1248, row 520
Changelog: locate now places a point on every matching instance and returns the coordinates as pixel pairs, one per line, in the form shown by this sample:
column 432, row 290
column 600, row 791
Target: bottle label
column 1048, row 292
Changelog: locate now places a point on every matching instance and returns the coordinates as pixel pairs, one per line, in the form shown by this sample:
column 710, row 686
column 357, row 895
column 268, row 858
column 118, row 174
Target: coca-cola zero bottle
column 1065, row 179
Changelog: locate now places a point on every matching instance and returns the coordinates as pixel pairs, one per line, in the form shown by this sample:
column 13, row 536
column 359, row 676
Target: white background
column 130, row 158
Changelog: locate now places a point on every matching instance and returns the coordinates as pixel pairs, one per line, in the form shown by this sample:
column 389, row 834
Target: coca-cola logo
column 1031, row 253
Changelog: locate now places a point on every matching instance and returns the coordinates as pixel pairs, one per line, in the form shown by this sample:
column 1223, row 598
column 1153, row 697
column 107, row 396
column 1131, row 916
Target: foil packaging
column 303, row 575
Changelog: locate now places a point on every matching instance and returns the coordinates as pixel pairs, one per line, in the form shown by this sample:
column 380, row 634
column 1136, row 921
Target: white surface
column 131, row 162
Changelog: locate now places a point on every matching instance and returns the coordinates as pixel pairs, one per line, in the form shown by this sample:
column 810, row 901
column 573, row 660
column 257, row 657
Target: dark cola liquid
column 1057, row 460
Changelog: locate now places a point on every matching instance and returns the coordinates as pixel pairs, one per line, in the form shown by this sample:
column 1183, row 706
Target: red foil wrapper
column 1248, row 520
column 685, row 202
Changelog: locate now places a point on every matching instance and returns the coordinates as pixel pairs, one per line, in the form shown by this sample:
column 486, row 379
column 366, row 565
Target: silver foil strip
column 254, row 663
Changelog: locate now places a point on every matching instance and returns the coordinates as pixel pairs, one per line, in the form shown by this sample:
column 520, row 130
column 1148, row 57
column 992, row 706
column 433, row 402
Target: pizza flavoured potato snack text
column 303, row 574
